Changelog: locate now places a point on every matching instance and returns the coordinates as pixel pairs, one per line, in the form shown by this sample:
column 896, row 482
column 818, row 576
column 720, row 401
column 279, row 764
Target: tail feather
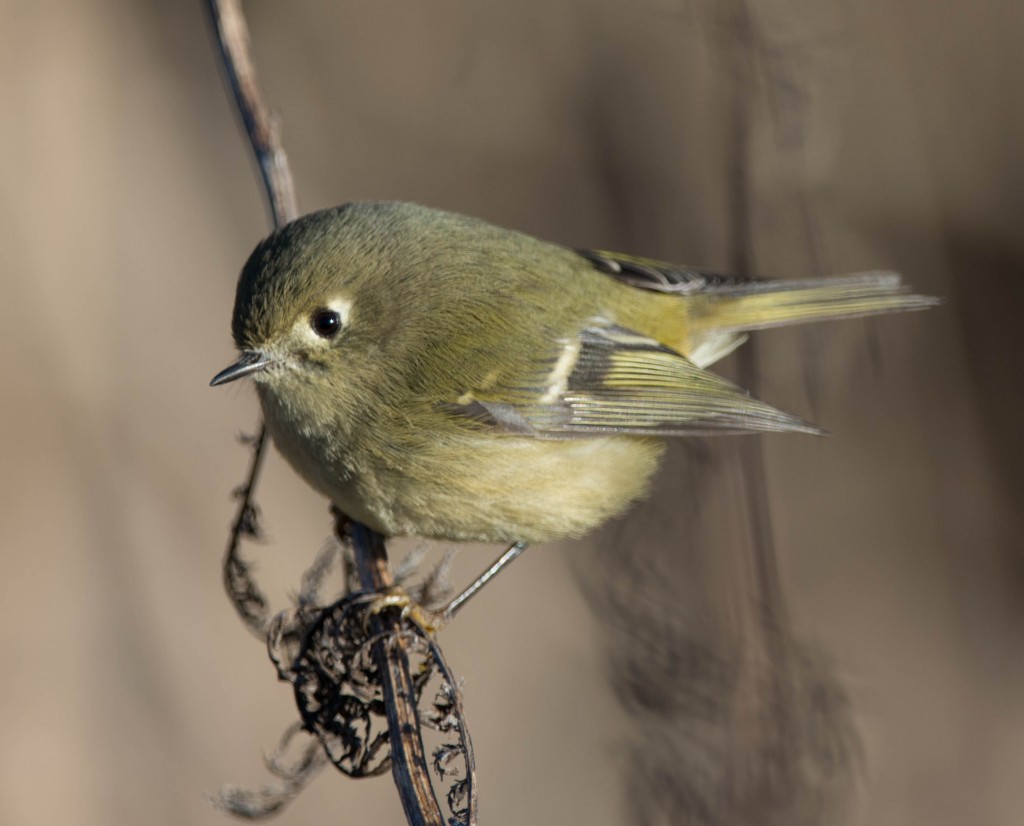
column 756, row 305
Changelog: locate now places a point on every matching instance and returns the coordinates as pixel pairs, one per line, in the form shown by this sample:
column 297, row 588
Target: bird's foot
column 432, row 620
column 396, row 596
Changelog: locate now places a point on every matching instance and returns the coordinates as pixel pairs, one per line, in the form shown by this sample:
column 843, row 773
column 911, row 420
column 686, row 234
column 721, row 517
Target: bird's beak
column 251, row 361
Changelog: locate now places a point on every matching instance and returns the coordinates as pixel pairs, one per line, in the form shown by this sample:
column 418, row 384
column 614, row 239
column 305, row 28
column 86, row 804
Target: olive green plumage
column 441, row 377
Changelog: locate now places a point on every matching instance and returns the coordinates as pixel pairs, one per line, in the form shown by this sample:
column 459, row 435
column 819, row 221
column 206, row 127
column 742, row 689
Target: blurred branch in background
column 735, row 720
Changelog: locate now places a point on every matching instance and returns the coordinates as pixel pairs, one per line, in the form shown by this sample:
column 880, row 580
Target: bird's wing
column 660, row 276
column 613, row 380
column 736, row 303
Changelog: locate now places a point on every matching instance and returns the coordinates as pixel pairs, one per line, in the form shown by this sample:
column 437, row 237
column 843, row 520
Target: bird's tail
column 755, row 305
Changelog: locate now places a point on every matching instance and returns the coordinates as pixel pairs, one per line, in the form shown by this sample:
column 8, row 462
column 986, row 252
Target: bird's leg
column 433, row 621
column 455, row 604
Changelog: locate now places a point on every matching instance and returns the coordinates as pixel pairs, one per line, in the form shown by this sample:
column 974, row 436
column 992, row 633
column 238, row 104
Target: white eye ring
column 325, row 322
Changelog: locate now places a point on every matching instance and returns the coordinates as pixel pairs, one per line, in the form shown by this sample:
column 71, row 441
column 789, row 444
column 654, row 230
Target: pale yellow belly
column 476, row 485
column 505, row 489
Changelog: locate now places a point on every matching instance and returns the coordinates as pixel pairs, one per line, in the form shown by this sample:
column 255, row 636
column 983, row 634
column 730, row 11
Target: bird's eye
column 325, row 323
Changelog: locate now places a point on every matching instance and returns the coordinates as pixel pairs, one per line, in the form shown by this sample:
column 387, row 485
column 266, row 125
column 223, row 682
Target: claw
column 397, row 597
column 426, row 619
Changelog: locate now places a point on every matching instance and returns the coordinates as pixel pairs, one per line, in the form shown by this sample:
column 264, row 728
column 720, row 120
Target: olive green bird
column 440, row 377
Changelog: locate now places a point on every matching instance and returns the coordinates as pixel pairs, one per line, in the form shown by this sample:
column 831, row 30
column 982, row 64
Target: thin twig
column 260, row 124
column 245, row 594
column 232, row 37
column 409, row 765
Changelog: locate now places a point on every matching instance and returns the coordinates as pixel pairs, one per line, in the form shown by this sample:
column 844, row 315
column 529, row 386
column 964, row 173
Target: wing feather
column 622, row 382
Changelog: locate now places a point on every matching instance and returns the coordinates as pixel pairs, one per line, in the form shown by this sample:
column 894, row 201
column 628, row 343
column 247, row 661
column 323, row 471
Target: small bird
column 440, row 377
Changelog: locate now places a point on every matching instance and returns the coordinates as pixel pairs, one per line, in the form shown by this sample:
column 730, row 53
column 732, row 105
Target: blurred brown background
column 790, row 136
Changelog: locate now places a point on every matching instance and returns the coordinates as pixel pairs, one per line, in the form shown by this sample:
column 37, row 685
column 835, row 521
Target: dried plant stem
column 232, row 38
column 408, row 758
column 409, row 765
column 260, row 126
